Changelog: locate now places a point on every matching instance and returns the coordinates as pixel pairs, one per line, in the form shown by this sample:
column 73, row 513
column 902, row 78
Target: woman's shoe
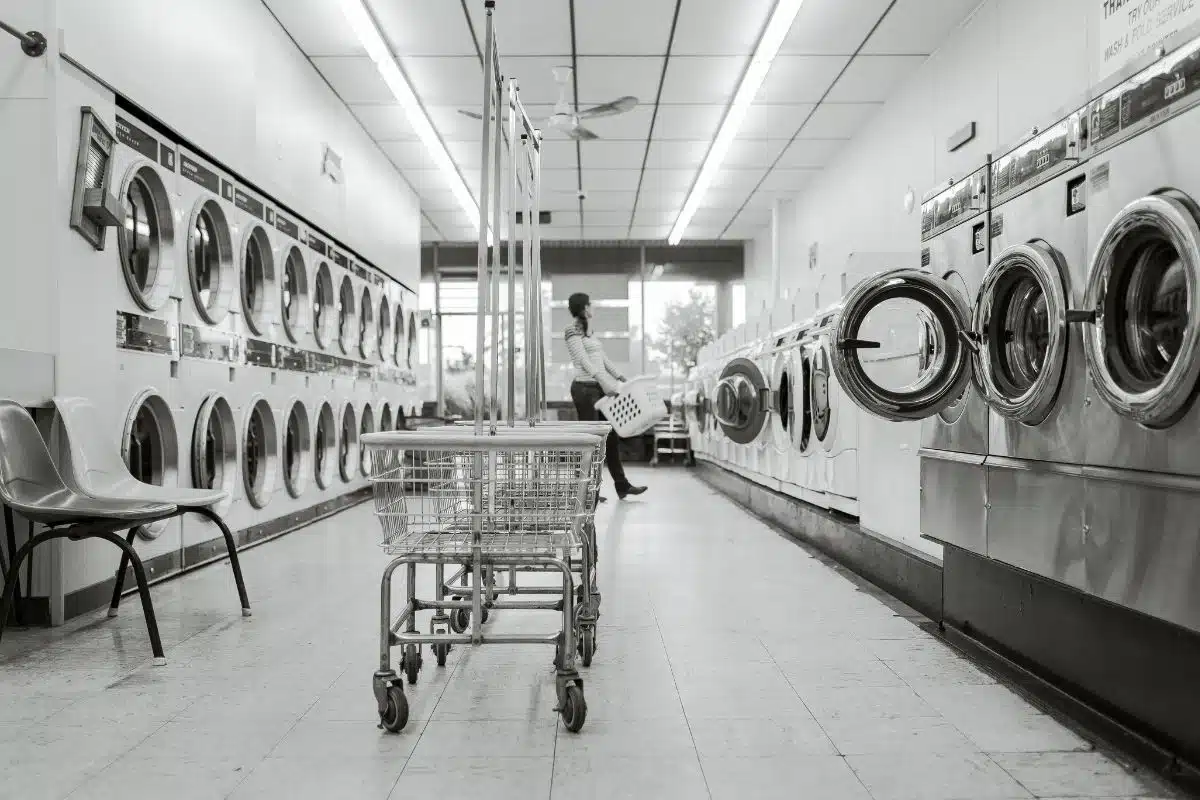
column 628, row 490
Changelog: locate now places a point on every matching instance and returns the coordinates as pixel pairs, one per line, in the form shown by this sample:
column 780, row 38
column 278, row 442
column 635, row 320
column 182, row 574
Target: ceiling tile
column 554, row 180
column 603, row 79
column 317, row 26
column 708, row 217
column 446, row 81
column 655, row 217
column 609, row 201
column 800, row 79
column 384, row 122
column 832, row 27
column 731, row 178
column 707, row 79
column 754, row 152
column 447, row 219
column 659, row 199
column 462, row 234
column 603, row 154
column 697, row 232
column 910, row 28
column 872, row 78
column 438, row 200
column 838, row 120
column 617, row 232
column 650, row 232
column 623, row 27
column 607, row 217
column 658, row 181
column 562, row 219
column 523, row 27
column 453, row 126
column 610, row 179
column 788, row 180
column 534, row 76
column 559, row 154
column 425, row 29
column 726, row 198
column 808, row 153
column 354, row 78
column 422, row 179
column 677, row 154
column 770, row 121
column 688, row 121
column 719, row 27
column 409, row 155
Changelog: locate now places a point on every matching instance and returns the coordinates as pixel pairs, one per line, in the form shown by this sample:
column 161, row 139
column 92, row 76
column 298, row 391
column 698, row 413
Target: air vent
column 94, row 208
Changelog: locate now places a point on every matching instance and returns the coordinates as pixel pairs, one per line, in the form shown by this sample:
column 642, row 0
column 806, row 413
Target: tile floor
column 709, row 682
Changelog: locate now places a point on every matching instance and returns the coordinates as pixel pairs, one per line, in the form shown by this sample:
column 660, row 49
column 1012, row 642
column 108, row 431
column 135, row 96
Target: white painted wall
column 226, row 75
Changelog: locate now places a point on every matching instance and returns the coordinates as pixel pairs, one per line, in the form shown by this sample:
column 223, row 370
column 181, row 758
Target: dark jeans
column 585, row 395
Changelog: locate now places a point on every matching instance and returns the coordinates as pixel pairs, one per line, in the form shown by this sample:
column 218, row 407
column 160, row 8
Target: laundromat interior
column 600, row 399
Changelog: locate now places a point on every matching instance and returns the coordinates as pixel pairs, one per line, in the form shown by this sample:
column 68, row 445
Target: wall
column 226, row 75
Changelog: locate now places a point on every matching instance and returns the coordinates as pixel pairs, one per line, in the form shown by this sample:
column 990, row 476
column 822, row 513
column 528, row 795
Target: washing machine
column 742, row 407
column 784, row 398
column 834, row 421
column 325, row 423
column 210, row 314
column 812, row 455
column 1142, row 424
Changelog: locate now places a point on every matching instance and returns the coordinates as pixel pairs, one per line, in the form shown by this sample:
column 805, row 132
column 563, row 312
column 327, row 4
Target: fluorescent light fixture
column 368, row 35
column 768, row 47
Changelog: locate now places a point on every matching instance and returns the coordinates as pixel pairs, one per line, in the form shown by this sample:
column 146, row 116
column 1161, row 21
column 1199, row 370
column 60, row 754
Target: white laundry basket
column 636, row 409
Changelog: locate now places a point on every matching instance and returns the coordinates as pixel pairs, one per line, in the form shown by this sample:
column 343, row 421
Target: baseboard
column 172, row 565
column 908, row 575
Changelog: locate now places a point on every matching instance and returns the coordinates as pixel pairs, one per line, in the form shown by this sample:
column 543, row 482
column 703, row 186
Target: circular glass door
column 822, row 409
column 367, row 426
column 915, row 326
column 782, row 397
column 294, row 294
column 348, row 444
column 259, row 449
column 258, row 281
column 1021, row 318
column 1143, row 284
column 210, row 261
column 296, row 442
column 214, row 446
column 324, row 443
column 801, row 430
column 366, row 320
column 324, row 321
column 385, row 417
column 147, row 239
column 385, row 329
column 411, row 339
column 346, row 328
column 739, row 405
column 149, row 447
column 398, row 338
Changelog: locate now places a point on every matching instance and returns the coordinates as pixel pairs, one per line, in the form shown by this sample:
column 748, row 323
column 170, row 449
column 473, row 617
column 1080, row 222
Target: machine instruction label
column 199, row 174
column 340, row 259
column 260, row 353
column 1154, row 95
column 137, row 139
column 317, row 244
column 286, row 226
column 249, row 204
column 1125, row 30
column 144, row 334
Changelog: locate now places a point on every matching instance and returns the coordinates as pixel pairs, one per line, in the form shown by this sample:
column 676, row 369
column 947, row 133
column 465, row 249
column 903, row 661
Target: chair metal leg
column 139, row 572
column 231, row 546
column 119, row 584
column 10, row 528
column 10, row 577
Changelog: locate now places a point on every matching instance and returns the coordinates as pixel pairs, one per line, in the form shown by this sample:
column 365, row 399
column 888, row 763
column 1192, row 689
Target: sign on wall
column 1123, row 30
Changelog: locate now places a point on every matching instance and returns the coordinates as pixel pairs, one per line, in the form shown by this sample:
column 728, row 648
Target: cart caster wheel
column 460, row 620
column 574, row 708
column 486, row 614
column 396, row 717
column 587, row 646
column 410, row 663
column 440, row 651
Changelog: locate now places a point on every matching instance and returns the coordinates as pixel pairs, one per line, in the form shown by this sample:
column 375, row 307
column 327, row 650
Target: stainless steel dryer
column 1140, row 538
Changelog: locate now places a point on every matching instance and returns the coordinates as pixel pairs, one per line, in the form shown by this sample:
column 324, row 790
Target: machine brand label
column 250, row 205
column 1098, row 177
column 209, row 345
column 166, row 157
column 137, row 139
column 145, row 334
column 340, row 259
column 260, row 353
column 317, row 245
column 200, row 174
column 286, row 226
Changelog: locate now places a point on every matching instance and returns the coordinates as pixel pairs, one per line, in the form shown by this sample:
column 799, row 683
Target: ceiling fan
column 566, row 118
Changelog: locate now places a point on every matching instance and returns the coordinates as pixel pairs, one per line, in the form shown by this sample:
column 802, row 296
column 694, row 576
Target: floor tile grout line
column 682, row 707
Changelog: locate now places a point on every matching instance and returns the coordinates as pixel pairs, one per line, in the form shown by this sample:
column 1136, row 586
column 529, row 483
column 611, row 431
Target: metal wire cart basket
column 492, row 501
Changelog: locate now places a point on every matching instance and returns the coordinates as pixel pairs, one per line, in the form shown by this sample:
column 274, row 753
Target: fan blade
column 619, row 106
column 580, row 133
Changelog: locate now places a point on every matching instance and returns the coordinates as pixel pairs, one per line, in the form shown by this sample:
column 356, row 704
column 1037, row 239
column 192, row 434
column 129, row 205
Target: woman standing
column 594, row 378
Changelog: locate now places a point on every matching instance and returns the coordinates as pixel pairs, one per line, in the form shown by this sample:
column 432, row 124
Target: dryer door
column 1022, row 320
column 783, row 397
column 902, row 348
column 801, row 432
column 822, row 408
column 742, row 400
column 1144, row 349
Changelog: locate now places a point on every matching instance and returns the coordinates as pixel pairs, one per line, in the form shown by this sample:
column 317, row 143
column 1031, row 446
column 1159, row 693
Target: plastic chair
column 92, row 467
column 31, row 486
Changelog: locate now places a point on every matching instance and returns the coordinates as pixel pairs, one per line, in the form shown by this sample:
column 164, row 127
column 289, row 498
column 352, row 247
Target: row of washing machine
column 250, row 353
column 764, row 402
column 1048, row 342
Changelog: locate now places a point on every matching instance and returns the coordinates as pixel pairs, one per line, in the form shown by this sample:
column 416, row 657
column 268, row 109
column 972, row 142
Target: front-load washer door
column 822, row 408
column 1144, row 349
column 742, row 401
column 783, row 397
column 801, row 430
column 917, row 328
column 1022, row 318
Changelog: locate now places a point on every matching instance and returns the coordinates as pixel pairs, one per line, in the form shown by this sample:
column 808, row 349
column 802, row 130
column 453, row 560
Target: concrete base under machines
column 1120, row 676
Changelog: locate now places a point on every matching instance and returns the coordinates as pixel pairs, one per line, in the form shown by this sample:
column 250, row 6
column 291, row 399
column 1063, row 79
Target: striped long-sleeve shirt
column 591, row 365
